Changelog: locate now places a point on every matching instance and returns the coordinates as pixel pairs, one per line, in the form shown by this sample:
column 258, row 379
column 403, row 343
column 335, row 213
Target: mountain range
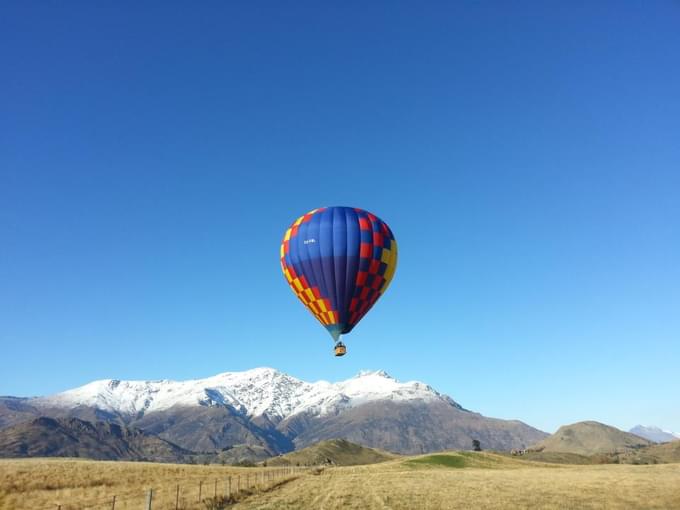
column 272, row 412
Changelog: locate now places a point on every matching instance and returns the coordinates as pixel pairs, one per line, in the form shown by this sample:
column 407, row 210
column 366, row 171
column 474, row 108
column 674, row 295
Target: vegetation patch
column 439, row 460
column 458, row 460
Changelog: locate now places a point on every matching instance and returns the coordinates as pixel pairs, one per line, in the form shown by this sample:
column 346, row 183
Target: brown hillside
column 71, row 437
column 590, row 437
column 337, row 452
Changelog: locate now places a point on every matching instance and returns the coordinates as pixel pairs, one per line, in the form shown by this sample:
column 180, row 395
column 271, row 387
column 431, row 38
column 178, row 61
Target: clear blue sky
column 526, row 157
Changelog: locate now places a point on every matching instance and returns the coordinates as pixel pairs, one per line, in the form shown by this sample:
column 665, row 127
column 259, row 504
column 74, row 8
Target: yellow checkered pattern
column 309, row 296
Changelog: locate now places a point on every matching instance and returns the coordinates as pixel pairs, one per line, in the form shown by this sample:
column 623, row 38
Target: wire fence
column 211, row 494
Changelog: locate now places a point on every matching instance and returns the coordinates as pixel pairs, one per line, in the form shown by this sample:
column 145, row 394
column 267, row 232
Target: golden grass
column 73, row 483
column 493, row 485
column 472, row 480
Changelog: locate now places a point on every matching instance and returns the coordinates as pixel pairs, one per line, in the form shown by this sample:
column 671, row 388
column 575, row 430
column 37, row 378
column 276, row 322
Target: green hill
column 464, row 459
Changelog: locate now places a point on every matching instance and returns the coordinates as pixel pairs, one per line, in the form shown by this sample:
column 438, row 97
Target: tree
column 476, row 445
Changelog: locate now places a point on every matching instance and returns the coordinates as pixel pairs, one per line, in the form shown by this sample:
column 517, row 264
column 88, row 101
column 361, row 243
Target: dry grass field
column 447, row 481
column 403, row 486
column 79, row 484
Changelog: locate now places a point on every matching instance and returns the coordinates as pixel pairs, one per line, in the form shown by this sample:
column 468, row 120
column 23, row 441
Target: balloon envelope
column 338, row 261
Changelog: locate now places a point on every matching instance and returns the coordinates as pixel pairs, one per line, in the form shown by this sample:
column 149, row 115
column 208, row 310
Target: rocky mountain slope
column 416, row 427
column 72, row 437
column 277, row 413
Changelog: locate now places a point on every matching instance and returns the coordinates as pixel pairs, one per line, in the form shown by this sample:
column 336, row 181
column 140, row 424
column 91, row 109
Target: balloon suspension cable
column 340, row 349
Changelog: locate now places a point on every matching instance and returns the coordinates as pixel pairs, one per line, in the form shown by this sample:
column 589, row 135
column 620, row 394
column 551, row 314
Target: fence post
column 149, row 498
column 238, row 480
column 200, row 490
column 215, row 493
column 113, row 503
column 229, row 486
column 177, row 498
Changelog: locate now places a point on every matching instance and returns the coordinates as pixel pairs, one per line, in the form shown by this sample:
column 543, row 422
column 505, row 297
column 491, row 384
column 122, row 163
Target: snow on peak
column 654, row 433
column 373, row 373
column 255, row 392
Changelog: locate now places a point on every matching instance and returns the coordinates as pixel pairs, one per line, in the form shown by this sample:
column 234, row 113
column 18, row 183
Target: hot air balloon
column 338, row 261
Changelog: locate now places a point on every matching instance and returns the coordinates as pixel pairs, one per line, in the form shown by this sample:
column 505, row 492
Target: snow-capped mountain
column 257, row 392
column 655, row 434
column 276, row 412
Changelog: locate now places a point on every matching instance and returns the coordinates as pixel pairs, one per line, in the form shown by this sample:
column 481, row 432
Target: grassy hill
column 562, row 458
column 337, row 452
column 667, row 452
column 654, row 454
column 590, row 437
column 464, row 459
